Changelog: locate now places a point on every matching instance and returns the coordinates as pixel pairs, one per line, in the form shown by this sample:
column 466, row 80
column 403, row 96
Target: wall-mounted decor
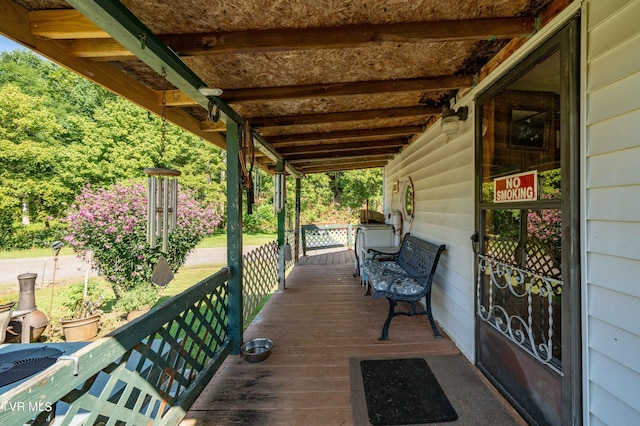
column 531, row 120
column 529, row 128
column 409, row 199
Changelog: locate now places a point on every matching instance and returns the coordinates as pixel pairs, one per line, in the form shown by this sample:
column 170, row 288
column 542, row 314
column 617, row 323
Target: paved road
column 70, row 267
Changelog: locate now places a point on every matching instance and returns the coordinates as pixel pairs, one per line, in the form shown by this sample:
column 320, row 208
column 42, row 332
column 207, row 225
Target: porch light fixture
column 213, row 109
column 450, row 122
column 210, row 91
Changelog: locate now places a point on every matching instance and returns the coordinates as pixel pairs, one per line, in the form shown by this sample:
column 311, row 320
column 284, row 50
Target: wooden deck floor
column 319, row 322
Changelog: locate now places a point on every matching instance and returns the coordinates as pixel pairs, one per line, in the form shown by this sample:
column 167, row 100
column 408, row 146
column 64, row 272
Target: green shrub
column 25, row 237
column 139, row 297
column 77, row 306
column 262, row 220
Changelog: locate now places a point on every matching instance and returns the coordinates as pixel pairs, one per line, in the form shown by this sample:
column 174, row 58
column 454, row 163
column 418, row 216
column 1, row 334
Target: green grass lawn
column 217, row 240
column 39, row 252
column 220, row 240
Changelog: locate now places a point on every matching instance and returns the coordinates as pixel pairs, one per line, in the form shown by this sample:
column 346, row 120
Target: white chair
column 6, row 311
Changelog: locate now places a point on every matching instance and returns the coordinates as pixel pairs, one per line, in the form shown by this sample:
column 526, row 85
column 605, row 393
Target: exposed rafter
column 342, row 153
column 311, row 91
column 342, row 147
column 347, row 36
column 353, row 162
column 64, row 24
column 418, row 113
column 342, row 166
column 344, row 135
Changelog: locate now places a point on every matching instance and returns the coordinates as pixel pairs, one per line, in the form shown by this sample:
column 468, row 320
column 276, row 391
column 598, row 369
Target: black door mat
column 403, row 392
column 472, row 399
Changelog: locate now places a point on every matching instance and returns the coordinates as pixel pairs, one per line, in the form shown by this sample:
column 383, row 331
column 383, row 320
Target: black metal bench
column 408, row 277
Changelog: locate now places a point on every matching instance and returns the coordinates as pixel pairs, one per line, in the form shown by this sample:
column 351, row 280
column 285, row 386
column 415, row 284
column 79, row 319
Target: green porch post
column 234, row 237
column 282, row 227
column 297, row 230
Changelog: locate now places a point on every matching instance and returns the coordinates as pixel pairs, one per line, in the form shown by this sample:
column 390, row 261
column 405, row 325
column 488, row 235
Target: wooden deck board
column 320, row 321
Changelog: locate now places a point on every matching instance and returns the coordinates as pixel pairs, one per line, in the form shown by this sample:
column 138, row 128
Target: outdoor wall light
column 450, row 122
column 213, row 110
column 210, row 91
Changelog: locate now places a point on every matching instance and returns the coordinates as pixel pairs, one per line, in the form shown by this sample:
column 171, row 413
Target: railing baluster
column 316, row 237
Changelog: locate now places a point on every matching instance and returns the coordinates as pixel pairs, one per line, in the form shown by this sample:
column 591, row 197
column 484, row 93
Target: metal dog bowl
column 257, row 350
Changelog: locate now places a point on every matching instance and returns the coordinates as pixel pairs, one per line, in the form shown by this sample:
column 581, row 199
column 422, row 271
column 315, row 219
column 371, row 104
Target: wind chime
column 247, row 159
column 162, row 191
column 279, row 192
column 258, row 194
column 162, row 196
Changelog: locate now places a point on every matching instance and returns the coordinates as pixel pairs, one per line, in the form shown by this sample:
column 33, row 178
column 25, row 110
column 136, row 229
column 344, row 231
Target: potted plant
column 138, row 300
column 83, row 307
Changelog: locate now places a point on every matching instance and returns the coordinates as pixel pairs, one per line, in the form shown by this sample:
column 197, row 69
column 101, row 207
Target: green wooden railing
column 146, row 372
column 260, row 277
column 316, row 237
column 150, row 370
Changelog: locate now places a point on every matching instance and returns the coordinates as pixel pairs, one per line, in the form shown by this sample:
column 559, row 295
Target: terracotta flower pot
column 137, row 313
column 80, row 330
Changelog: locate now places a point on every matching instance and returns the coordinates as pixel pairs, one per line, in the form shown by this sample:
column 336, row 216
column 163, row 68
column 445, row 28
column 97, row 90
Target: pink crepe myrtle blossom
column 545, row 225
column 107, row 226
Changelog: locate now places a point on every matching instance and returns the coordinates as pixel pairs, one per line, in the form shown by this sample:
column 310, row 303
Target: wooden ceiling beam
column 341, row 167
column 176, row 98
column 211, row 127
column 256, row 94
column 338, row 153
column 278, row 40
column 70, row 24
column 100, row 49
column 63, row 24
column 269, row 132
column 353, row 159
column 344, row 135
column 260, row 94
column 311, row 91
column 420, row 113
column 287, row 140
column 329, row 147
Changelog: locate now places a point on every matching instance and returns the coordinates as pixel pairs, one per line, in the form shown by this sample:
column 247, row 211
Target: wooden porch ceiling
column 325, row 86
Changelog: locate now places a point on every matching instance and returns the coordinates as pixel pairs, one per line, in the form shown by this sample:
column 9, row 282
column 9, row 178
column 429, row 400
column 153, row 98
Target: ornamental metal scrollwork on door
column 522, row 306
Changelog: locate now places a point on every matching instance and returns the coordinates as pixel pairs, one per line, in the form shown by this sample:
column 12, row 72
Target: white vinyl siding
column 442, row 172
column 612, row 212
column 443, row 175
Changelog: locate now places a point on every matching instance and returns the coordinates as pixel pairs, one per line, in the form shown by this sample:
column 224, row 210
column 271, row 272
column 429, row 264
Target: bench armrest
column 377, row 253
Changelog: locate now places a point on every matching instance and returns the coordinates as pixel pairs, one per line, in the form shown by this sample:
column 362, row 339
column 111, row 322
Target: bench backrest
column 419, row 258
